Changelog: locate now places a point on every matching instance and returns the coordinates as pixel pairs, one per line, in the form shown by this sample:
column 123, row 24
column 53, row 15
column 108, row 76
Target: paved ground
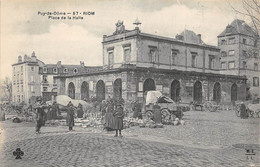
column 207, row 139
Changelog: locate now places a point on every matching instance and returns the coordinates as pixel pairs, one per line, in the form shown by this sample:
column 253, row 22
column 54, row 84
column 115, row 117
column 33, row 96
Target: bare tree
column 6, row 89
column 251, row 9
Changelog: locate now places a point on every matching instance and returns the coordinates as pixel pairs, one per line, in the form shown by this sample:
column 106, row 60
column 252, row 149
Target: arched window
column 118, row 88
column 100, row 90
column 175, row 90
column 71, row 90
column 197, row 92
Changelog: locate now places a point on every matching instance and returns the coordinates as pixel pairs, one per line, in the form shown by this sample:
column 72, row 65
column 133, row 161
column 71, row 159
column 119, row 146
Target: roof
column 191, row 37
column 238, row 27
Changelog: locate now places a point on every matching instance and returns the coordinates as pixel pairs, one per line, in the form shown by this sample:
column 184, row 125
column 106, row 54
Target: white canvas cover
column 152, row 97
column 64, row 100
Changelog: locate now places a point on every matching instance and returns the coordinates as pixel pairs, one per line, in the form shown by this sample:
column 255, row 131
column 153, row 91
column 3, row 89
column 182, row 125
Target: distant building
column 49, row 71
column 32, row 77
column 26, row 79
column 134, row 62
column 240, row 47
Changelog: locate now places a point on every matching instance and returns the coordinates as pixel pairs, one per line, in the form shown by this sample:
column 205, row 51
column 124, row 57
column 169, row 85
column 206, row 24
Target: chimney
column 25, row 58
column 82, row 63
column 33, row 55
column 179, row 37
column 59, row 64
column 20, row 59
column 199, row 37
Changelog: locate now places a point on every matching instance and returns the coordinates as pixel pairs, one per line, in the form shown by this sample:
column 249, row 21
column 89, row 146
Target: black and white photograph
column 130, row 83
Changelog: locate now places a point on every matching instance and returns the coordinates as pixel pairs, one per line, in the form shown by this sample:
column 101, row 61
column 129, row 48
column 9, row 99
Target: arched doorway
column 234, row 92
column 118, row 88
column 149, row 84
column 84, row 90
column 197, row 92
column 217, row 92
column 175, row 90
column 100, row 90
column 71, row 90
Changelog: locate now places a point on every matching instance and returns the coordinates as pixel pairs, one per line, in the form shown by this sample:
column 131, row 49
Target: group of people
column 51, row 112
column 113, row 113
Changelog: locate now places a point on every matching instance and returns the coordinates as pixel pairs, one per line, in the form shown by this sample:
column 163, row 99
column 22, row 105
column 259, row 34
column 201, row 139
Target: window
column 54, row 80
column 32, row 78
column 65, row 70
column 75, row 70
column 127, row 56
column 223, row 65
column 21, row 68
column 55, row 70
column 244, row 65
column 44, row 78
column 255, row 66
column 110, row 59
column 223, row 42
column 244, row 41
column 174, row 54
column 18, row 98
column 211, row 61
column 223, row 54
column 231, row 65
column 231, row 40
column 152, row 54
column 45, row 89
column 244, row 53
column 32, row 68
column 21, row 88
column 22, row 98
column 255, row 81
column 44, row 70
column 193, row 59
column 21, row 81
column 32, row 89
column 231, row 53
column 17, row 88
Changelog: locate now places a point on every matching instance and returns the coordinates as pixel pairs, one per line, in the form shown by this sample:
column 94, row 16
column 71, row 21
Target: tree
column 251, row 9
column 6, row 89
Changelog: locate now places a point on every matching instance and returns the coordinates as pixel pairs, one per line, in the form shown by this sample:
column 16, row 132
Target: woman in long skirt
column 70, row 116
column 118, row 119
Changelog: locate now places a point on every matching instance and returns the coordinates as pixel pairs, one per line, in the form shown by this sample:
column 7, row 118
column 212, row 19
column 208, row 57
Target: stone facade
column 184, row 69
column 240, row 47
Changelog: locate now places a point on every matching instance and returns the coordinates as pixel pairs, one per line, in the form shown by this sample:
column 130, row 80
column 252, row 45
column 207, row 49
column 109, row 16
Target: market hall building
column 183, row 68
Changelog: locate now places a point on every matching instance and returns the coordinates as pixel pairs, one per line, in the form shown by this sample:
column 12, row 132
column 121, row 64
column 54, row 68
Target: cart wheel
column 165, row 115
column 149, row 114
column 208, row 106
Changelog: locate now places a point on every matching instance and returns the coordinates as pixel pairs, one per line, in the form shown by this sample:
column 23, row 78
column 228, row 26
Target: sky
column 24, row 30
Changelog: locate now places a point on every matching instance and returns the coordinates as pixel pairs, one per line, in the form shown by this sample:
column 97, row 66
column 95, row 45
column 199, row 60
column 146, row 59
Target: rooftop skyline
column 24, row 30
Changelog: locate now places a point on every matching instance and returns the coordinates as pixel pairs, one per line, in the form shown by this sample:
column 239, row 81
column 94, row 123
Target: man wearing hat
column 39, row 107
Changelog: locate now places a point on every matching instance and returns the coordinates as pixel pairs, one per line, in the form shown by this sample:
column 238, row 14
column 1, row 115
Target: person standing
column 109, row 118
column 243, row 111
column 70, row 116
column 80, row 111
column 118, row 119
column 39, row 107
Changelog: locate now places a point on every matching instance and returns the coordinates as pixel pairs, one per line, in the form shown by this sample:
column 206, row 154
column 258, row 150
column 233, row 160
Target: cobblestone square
column 207, row 139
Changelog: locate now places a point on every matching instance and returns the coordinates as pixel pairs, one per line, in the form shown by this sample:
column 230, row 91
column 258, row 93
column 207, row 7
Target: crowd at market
column 112, row 112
